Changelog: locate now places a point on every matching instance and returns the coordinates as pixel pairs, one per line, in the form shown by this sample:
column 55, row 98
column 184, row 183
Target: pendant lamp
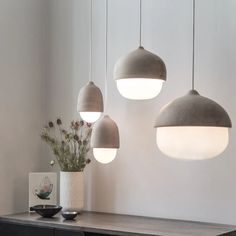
column 90, row 100
column 192, row 127
column 105, row 135
column 105, row 140
column 140, row 74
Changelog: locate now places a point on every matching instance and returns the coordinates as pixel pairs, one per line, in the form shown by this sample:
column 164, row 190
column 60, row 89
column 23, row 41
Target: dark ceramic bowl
column 69, row 215
column 46, row 211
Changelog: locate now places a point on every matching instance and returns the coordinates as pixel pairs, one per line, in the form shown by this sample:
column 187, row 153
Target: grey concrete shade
column 105, row 134
column 193, row 110
column 90, row 99
column 140, row 63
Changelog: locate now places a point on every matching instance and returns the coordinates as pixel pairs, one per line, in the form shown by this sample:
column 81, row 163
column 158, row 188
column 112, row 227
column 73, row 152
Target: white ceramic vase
column 72, row 191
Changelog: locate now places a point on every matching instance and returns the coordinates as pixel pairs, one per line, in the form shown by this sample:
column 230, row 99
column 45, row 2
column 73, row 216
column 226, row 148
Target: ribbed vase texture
column 72, row 191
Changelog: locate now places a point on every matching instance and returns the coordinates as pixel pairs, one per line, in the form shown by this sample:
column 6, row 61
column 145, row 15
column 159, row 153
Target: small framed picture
column 42, row 188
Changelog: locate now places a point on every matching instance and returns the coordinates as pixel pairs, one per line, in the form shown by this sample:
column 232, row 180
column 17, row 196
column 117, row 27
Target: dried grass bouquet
column 71, row 146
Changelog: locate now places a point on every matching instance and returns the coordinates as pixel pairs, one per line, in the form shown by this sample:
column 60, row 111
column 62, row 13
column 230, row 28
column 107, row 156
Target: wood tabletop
column 121, row 225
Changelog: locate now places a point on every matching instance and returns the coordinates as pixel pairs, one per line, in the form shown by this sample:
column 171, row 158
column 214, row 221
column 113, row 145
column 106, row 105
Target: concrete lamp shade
column 105, row 140
column 90, row 102
column 192, row 127
column 140, row 74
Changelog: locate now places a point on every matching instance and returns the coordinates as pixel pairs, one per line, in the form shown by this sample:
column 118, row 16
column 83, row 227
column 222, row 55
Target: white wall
column 23, row 33
column 141, row 180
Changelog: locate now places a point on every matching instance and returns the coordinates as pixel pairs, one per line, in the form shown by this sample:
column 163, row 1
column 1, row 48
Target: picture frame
column 42, row 188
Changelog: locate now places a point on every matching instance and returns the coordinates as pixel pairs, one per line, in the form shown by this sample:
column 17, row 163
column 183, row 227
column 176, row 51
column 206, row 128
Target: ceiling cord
column 91, row 41
column 106, row 55
column 140, row 23
column 193, row 49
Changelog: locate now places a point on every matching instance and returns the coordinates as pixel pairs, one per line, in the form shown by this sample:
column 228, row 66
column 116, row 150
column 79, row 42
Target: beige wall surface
column 22, row 81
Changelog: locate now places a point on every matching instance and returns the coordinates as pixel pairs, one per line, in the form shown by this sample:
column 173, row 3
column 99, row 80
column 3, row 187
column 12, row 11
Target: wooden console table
column 101, row 224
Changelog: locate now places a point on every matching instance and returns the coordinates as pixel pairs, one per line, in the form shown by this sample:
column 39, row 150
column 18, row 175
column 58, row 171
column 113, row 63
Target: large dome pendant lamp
column 105, row 135
column 192, row 127
column 140, row 74
column 90, row 100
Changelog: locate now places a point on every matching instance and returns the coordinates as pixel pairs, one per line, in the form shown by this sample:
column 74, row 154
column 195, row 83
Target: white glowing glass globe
column 192, row 142
column 90, row 117
column 104, row 155
column 139, row 89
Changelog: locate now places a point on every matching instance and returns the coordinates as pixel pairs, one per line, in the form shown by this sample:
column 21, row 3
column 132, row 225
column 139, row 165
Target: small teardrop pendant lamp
column 192, row 127
column 105, row 135
column 90, row 100
column 140, row 74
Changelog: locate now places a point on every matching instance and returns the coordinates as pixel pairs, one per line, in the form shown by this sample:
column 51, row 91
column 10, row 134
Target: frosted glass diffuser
column 105, row 155
column 192, row 143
